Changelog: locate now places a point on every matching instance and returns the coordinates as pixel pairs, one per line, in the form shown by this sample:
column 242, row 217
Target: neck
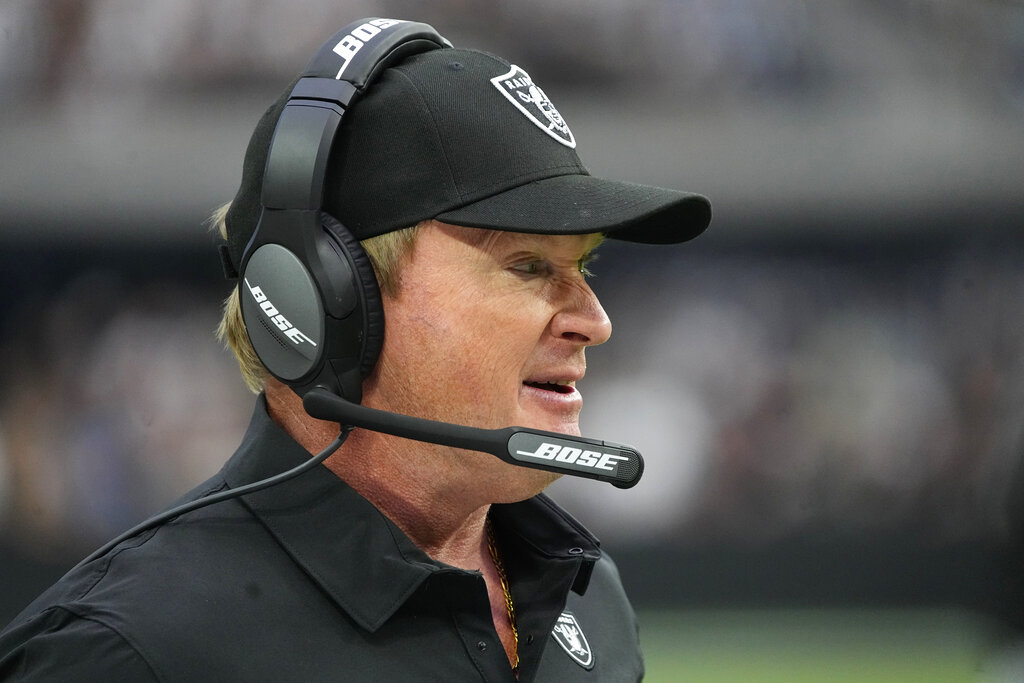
column 422, row 492
column 410, row 482
column 446, row 520
column 414, row 484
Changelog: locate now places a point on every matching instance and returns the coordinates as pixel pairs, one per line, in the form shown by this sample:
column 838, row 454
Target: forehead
column 495, row 240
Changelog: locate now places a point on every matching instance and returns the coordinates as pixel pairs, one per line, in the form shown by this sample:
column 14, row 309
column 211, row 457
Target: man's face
column 489, row 329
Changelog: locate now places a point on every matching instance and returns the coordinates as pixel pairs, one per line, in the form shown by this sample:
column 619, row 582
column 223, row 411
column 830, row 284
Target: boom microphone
column 615, row 463
column 574, row 455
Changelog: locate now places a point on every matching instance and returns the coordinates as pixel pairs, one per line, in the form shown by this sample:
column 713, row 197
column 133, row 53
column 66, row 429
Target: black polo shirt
column 308, row 581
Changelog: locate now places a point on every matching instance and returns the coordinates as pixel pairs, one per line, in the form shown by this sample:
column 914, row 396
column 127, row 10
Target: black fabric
column 433, row 137
column 307, row 581
column 636, row 213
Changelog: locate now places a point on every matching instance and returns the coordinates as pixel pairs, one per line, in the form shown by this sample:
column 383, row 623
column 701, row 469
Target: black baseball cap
column 467, row 138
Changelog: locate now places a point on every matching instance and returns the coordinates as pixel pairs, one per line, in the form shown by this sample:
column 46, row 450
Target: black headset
column 310, row 299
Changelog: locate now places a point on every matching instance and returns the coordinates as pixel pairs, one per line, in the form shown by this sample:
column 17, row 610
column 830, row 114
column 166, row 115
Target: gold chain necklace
column 503, row 579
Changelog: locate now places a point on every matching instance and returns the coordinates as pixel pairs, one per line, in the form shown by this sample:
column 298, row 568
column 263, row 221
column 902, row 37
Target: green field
column 833, row 646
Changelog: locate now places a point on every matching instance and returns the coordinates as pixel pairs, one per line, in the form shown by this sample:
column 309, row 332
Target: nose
column 582, row 320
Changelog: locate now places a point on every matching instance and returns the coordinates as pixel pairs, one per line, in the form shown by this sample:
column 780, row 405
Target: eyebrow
column 596, row 238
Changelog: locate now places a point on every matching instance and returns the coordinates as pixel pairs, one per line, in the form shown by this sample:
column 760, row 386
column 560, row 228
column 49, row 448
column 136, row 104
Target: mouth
column 552, row 401
column 555, row 386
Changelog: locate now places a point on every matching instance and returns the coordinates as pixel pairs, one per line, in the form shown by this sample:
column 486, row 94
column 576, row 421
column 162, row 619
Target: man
column 397, row 559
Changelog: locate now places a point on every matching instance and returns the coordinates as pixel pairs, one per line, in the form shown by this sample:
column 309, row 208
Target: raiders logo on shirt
column 569, row 635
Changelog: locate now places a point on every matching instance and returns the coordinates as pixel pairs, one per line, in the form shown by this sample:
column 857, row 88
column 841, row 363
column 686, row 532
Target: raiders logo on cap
column 520, row 90
column 569, row 635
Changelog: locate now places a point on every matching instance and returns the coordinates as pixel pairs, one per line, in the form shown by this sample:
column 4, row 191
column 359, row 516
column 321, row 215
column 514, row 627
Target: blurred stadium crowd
column 704, row 46
column 849, row 385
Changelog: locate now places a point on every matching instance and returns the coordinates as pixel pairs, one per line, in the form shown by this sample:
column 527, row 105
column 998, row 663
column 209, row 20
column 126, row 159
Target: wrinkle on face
column 466, row 324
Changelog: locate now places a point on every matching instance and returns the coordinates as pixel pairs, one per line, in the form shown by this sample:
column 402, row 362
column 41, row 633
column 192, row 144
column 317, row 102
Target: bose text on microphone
column 614, row 463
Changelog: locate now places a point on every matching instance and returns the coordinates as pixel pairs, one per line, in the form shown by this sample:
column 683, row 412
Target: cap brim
column 578, row 204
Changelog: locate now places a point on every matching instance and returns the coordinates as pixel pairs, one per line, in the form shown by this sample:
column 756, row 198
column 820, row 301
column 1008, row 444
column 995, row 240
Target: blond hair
column 385, row 252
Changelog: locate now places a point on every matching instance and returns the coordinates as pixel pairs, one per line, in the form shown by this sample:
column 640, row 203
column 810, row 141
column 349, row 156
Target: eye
column 541, row 267
column 531, row 267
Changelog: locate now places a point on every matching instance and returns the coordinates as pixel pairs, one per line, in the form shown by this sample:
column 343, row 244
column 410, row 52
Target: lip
column 563, row 393
column 551, row 410
column 566, row 395
column 565, row 376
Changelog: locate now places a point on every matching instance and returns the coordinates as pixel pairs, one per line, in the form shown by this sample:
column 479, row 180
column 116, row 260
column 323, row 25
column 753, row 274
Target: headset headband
column 337, row 74
column 309, row 295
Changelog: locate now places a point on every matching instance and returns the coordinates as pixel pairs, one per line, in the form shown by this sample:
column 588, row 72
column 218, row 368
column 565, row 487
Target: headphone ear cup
column 366, row 280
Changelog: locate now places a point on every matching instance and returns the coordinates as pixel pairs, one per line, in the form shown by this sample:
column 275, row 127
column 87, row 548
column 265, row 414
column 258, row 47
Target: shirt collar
column 359, row 556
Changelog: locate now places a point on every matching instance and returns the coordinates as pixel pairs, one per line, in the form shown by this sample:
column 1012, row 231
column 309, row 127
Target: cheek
column 476, row 342
column 484, row 348
column 500, row 334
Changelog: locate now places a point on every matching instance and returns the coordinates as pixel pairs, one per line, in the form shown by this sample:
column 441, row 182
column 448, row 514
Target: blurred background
column 828, row 387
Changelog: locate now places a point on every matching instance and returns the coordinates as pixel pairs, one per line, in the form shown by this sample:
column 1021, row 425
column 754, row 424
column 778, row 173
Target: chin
column 569, row 426
column 523, row 483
